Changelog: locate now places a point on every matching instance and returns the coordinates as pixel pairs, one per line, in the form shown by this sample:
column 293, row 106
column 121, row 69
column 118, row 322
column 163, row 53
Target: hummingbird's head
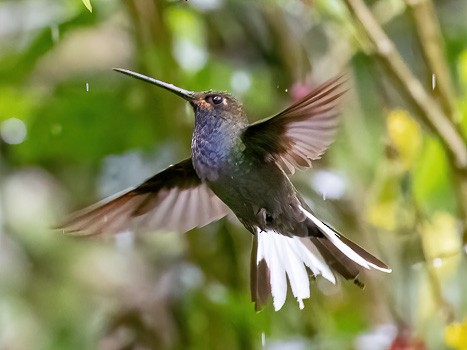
column 218, row 105
column 208, row 105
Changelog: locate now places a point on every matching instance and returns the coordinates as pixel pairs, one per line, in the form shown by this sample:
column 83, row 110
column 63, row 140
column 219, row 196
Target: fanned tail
column 277, row 258
column 345, row 247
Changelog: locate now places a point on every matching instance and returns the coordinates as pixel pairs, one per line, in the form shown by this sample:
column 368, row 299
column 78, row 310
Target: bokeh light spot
column 13, row 131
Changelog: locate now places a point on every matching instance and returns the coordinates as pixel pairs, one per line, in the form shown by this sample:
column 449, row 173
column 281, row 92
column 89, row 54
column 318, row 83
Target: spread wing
column 174, row 199
column 301, row 132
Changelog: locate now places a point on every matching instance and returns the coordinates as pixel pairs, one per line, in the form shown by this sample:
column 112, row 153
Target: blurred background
column 72, row 131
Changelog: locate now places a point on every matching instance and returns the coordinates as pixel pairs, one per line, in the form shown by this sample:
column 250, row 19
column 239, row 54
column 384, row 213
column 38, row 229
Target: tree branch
column 431, row 41
column 411, row 89
column 410, row 85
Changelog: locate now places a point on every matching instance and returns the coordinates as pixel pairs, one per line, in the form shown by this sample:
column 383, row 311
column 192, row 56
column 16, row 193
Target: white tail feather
column 313, row 259
column 344, row 248
column 287, row 257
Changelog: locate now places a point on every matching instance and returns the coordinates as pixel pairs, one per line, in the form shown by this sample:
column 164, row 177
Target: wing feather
column 300, row 133
column 174, row 199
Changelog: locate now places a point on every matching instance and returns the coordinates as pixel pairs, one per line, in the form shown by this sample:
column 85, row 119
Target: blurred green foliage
column 91, row 132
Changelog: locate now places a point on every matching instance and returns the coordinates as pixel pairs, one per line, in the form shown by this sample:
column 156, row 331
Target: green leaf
column 88, row 5
column 57, row 129
column 433, row 181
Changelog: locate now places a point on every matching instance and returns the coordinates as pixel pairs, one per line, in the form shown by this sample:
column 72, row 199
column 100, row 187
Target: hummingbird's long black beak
column 187, row 95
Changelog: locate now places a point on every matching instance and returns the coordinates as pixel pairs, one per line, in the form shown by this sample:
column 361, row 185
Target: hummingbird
column 243, row 168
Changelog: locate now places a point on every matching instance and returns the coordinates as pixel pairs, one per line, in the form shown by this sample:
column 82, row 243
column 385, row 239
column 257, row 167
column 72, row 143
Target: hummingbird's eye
column 216, row 99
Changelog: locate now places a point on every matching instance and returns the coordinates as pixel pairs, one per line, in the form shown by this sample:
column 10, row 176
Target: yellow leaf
column 88, row 5
column 405, row 136
column 383, row 215
column 455, row 335
column 441, row 244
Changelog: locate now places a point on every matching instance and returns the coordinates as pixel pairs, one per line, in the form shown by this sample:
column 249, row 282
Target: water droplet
column 13, row 131
column 263, row 339
column 433, row 81
column 286, row 90
column 87, row 87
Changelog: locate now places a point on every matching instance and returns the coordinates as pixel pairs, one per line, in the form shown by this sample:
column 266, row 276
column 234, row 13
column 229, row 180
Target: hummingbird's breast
column 255, row 190
column 216, row 147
